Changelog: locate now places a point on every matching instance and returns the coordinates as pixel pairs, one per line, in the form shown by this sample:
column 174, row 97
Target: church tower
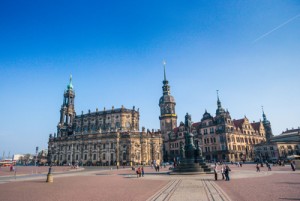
column 168, row 117
column 267, row 126
column 67, row 112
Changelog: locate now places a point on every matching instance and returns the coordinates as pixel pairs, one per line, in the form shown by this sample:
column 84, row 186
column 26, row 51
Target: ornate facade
column 220, row 137
column 108, row 137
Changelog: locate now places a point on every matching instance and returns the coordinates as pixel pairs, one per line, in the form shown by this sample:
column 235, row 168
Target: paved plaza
column 94, row 183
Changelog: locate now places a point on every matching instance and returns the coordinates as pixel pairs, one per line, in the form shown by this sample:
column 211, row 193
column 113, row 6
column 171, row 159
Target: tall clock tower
column 168, row 117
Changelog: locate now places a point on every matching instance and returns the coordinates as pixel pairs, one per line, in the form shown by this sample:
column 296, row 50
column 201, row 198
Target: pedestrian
column 227, row 169
column 257, row 168
column 216, row 172
column 138, row 172
column 269, row 167
column 223, row 172
column 293, row 165
column 157, row 167
column 143, row 172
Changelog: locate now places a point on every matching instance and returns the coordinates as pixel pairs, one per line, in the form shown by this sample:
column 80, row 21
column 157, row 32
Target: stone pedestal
column 189, row 166
column 49, row 178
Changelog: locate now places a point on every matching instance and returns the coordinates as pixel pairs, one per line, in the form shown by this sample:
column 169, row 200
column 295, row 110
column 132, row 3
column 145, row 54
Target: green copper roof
column 70, row 85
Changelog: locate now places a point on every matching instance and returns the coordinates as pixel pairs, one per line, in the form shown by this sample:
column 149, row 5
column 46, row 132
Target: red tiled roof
column 238, row 123
column 255, row 125
column 196, row 124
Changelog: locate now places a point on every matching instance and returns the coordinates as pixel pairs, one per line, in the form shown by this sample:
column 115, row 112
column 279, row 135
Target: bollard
column 49, row 176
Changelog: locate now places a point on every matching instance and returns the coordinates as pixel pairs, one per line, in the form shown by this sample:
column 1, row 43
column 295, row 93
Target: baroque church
column 220, row 137
column 108, row 137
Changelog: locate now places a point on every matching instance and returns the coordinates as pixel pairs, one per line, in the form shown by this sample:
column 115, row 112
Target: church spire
column 267, row 125
column 263, row 114
column 70, row 85
column 164, row 63
column 166, row 87
column 219, row 109
column 218, row 101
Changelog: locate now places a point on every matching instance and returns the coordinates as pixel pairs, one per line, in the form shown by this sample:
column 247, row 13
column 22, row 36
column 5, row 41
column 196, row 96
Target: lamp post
column 36, row 154
column 72, row 155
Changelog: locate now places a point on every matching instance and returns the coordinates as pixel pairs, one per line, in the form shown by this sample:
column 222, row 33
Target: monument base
column 49, row 178
column 190, row 167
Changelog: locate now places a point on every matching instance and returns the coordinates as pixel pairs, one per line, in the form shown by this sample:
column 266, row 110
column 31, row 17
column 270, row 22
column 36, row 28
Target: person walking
column 138, row 172
column 293, row 165
column 257, row 168
column 216, row 172
column 223, row 172
column 227, row 169
column 143, row 172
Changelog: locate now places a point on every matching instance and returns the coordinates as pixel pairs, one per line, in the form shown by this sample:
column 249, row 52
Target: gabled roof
column 196, row 124
column 238, row 123
column 255, row 125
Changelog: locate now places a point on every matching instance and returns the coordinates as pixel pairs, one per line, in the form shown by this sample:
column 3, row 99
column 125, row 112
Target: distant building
column 279, row 147
column 220, row 137
column 108, row 137
column 17, row 157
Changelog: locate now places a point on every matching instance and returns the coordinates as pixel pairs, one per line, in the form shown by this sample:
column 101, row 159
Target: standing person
column 227, row 169
column 223, row 172
column 157, row 167
column 269, row 167
column 293, row 165
column 137, row 173
column 216, row 172
column 143, row 172
column 257, row 168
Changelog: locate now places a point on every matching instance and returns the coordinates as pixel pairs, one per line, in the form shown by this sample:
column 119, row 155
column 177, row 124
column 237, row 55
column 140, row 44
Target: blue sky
column 248, row 50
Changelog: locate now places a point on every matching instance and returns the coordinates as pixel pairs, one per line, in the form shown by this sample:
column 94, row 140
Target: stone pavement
column 122, row 184
column 190, row 188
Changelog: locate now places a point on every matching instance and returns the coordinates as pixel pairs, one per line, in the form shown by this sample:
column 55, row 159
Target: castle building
column 220, row 137
column 108, row 137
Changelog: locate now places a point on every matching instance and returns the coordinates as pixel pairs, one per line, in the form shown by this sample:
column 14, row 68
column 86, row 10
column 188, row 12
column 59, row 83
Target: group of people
column 12, row 168
column 224, row 170
column 293, row 166
column 140, row 172
column 156, row 167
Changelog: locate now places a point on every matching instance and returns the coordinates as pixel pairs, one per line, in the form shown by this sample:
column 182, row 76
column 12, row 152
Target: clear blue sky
column 249, row 50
